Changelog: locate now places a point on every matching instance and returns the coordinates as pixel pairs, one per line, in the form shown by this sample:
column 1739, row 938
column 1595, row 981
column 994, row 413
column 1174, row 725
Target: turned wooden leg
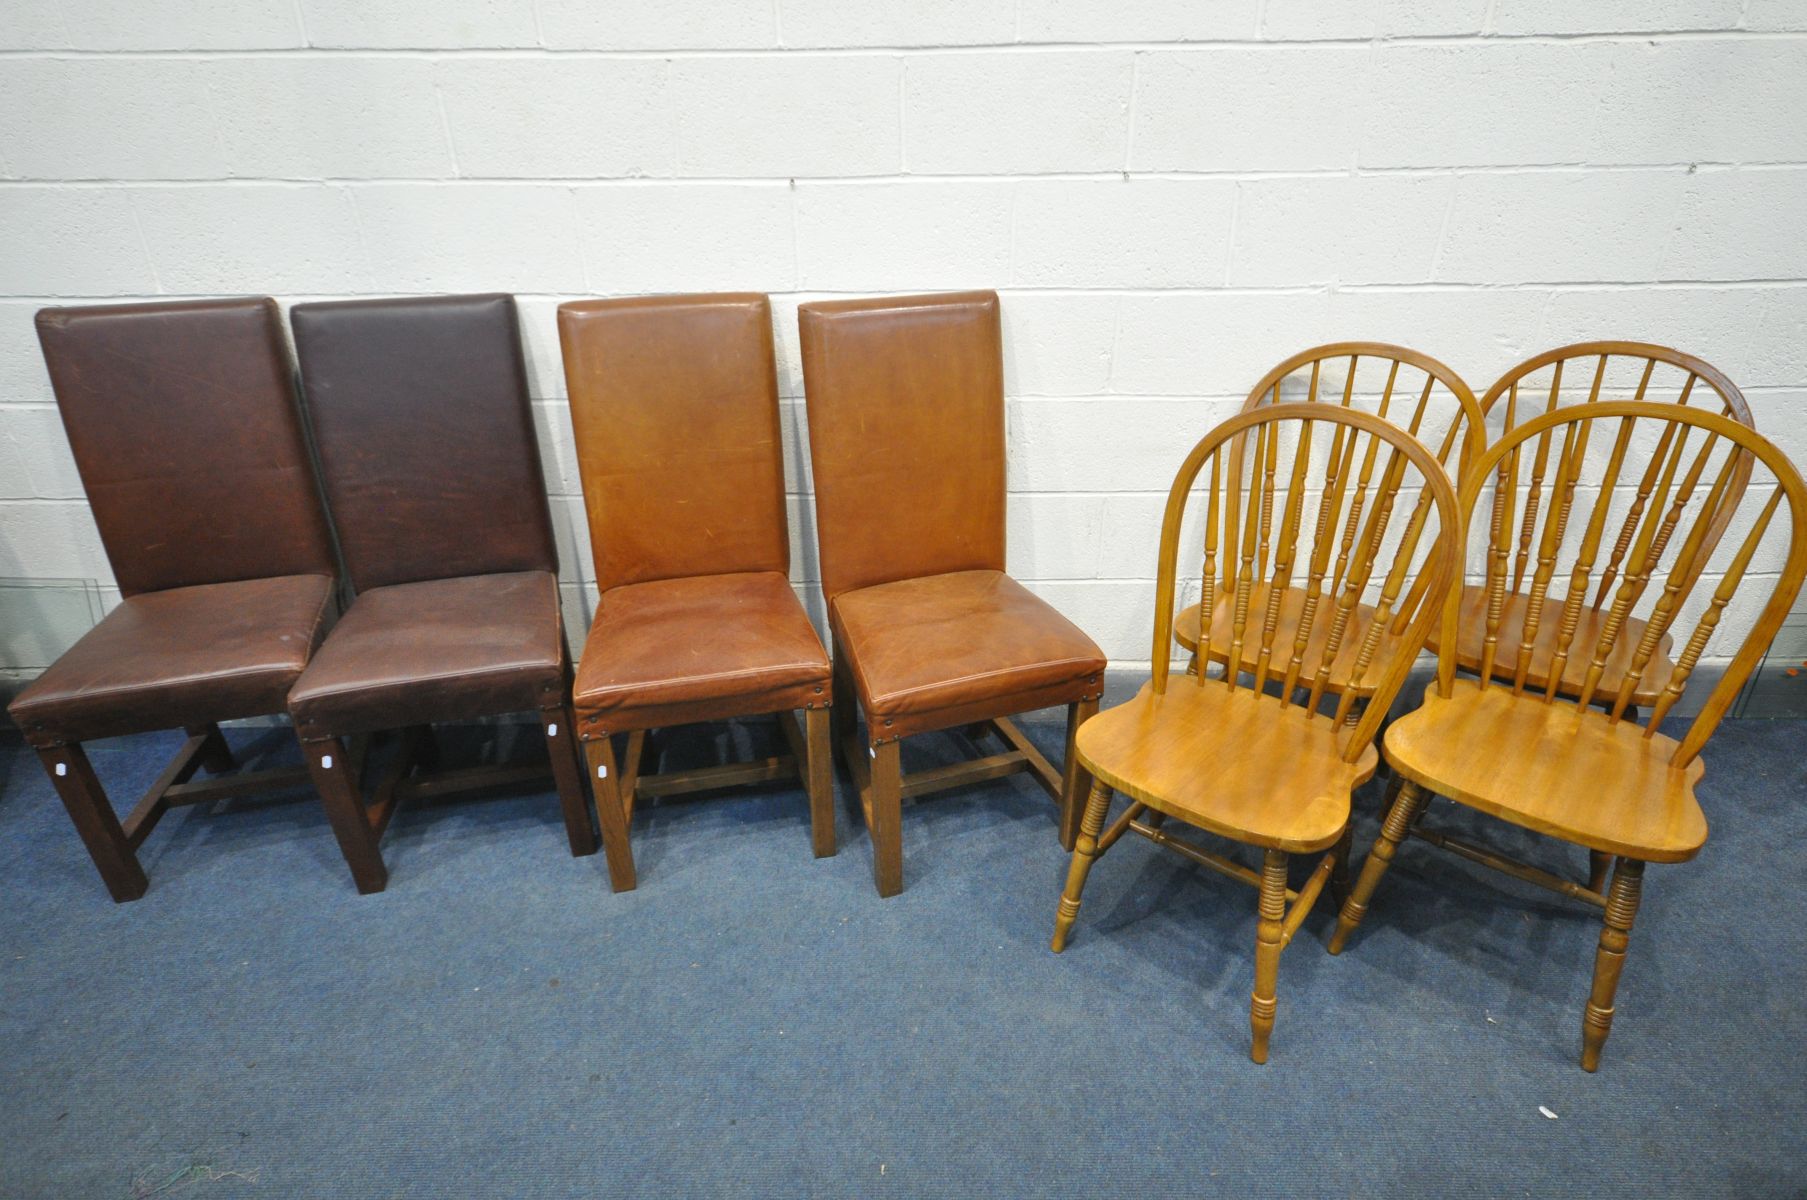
column 86, row 801
column 1339, row 871
column 1400, row 819
column 1599, row 864
column 819, row 776
column 1085, row 850
column 1268, row 932
column 886, row 818
column 1391, row 795
column 216, row 755
column 1192, row 663
column 1076, row 781
column 337, row 783
column 561, row 747
column 1609, row 959
column 611, row 816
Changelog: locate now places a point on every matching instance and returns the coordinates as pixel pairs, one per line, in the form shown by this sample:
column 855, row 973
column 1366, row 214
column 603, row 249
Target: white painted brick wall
column 1171, row 196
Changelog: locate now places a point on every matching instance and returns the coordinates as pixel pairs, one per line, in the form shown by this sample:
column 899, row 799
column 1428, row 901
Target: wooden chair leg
column 819, row 779
column 844, row 711
column 336, row 781
column 1609, row 959
column 86, row 801
column 1192, row 663
column 885, row 817
column 1399, row 822
column 561, row 748
column 1599, row 865
column 1339, row 872
column 1085, row 851
column 424, row 746
column 1075, row 782
column 1391, row 795
column 216, row 756
column 599, row 754
column 1268, row 933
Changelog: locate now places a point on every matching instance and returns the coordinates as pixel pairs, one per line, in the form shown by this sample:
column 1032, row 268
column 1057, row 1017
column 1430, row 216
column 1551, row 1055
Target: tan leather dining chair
column 183, row 422
column 906, row 433
column 674, row 403
column 432, row 471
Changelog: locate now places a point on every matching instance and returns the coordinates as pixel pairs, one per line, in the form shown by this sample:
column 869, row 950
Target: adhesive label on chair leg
column 62, row 768
column 552, row 729
column 602, row 772
column 326, row 762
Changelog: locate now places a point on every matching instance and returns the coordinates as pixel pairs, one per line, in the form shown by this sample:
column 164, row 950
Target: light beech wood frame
column 1404, row 401
column 1239, row 761
column 1516, row 398
column 1506, row 747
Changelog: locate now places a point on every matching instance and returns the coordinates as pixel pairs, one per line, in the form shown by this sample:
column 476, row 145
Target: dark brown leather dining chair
column 906, row 433
column 432, row 472
column 674, row 402
column 183, row 423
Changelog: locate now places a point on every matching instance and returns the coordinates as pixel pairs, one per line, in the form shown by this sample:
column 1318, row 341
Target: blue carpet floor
column 754, row 1022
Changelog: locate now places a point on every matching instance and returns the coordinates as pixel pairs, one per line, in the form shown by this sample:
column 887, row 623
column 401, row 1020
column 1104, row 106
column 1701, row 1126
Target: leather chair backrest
column 906, row 436
column 183, row 422
column 426, row 440
column 674, row 403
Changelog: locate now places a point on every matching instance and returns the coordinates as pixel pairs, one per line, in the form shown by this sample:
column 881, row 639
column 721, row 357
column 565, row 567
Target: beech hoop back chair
column 1413, row 391
column 1587, row 373
column 1579, row 768
column 1266, row 767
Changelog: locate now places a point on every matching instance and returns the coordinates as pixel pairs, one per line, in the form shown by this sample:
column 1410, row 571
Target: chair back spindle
column 1293, row 484
column 1661, row 574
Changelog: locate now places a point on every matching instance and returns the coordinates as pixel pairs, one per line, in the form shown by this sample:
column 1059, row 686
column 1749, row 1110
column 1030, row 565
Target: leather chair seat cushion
column 944, row 650
column 436, row 650
column 702, row 648
column 184, row 656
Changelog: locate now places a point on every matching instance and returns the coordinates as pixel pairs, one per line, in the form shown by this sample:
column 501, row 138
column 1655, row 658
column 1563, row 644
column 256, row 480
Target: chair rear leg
column 1076, row 781
column 1609, row 959
column 819, row 778
column 423, row 744
column 599, row 754
column 1339, row 872
column 1085, row 852
column 337, row 784
column 844, row 712
column 561, row 747
column 885, row 812
column 1268, row 933
column 1399, row 822
column 1599, row 865
column 216, row 755
column 73, row 777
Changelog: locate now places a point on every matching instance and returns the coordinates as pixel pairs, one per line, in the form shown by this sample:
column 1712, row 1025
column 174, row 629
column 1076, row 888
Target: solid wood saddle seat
column 1554, row 769
column 1233, row 762
column 1292, row 604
